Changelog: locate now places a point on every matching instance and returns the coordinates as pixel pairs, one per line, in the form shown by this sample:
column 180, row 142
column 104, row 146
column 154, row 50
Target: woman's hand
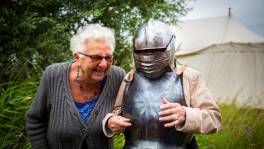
column 173, row 114
column 117, row 124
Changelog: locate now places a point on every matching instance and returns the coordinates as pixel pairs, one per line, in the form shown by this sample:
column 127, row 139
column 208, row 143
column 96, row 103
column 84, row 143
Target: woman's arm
column 37, row 116
column 202, row 115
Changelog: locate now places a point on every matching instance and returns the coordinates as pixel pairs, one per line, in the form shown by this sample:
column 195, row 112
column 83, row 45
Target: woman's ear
column 76, row 56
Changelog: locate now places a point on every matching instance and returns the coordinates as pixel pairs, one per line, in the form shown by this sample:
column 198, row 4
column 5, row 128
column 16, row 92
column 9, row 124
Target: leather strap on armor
column 119, row 98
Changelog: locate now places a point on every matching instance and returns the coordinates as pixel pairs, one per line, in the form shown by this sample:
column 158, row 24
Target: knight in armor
column 164, row 104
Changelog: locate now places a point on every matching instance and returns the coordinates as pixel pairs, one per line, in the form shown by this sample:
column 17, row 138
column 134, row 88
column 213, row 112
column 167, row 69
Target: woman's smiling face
column 95, row 60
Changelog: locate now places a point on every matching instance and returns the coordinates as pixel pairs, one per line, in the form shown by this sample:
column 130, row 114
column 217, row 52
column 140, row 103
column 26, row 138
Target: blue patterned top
column 86, row 108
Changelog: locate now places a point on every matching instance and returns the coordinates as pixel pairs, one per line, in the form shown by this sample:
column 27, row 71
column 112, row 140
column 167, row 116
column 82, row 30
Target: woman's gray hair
column 92, row 32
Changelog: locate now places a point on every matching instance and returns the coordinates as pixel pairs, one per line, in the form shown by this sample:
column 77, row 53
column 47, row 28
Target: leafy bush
column 14, row 101
column 40, row 30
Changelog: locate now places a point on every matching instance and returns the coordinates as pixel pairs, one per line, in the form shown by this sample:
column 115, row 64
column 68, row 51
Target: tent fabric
column 200, row 33
column 232, row 66
column 233, row 72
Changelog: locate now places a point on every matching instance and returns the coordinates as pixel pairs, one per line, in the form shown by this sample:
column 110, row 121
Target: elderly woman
column 73, row 97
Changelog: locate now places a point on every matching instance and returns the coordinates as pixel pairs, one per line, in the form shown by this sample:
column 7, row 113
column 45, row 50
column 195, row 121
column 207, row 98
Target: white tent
column 230, row 57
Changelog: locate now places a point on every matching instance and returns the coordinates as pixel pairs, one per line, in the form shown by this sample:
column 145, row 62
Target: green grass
column 14, row 101
column 241, row 127
column 119, row 141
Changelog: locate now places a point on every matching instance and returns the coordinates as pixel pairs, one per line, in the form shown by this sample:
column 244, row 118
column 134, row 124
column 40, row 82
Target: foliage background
column 37, row 33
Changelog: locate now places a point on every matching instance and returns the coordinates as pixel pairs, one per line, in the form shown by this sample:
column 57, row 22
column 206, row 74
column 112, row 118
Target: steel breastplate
column 142, row 103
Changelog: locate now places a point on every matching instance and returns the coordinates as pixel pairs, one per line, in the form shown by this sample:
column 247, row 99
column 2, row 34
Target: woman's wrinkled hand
column 118, row 124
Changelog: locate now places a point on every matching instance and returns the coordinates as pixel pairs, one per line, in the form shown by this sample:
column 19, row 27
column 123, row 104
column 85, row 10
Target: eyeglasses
column 98, row 58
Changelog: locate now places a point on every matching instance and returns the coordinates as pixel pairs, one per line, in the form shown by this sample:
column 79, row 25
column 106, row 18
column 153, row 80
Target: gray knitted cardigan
column 53, row 120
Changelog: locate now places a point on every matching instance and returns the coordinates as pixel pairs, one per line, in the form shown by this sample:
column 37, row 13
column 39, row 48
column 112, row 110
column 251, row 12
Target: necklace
column 87, row 98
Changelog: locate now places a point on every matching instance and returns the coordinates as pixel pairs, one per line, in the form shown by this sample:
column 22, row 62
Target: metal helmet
column 154, row 49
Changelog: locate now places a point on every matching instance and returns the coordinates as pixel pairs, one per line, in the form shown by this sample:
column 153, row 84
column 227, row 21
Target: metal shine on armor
column 142, row 105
